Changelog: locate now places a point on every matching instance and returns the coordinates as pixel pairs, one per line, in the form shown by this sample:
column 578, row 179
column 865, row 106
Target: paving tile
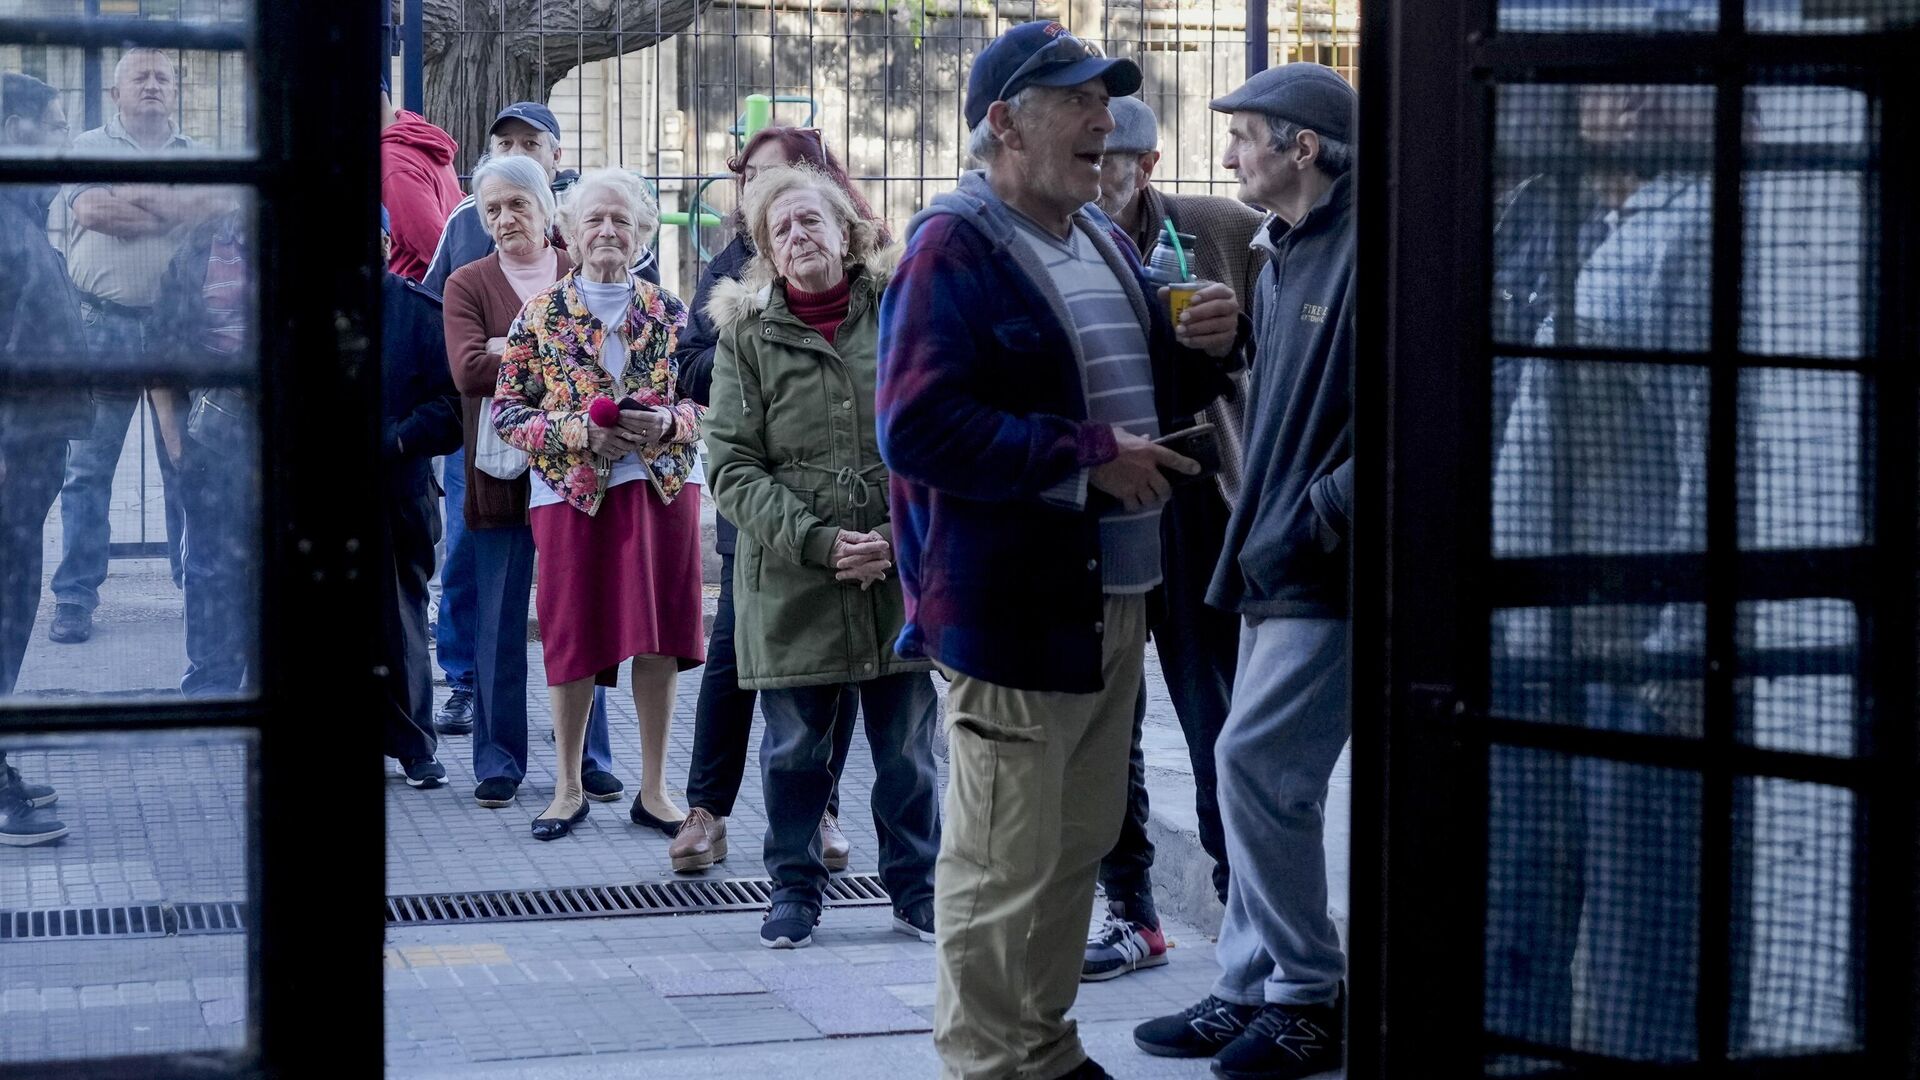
column 706, row 983
column 742, row 1018
column 852, row 1010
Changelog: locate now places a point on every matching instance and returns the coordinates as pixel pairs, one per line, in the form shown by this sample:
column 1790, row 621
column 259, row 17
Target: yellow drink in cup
column 1180, row 296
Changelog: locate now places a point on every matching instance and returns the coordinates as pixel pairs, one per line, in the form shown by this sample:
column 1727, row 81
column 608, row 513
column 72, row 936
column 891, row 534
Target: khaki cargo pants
column 1036, row 791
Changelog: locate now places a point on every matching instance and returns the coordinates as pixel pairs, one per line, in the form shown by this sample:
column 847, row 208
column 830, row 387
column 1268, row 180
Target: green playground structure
column 758, row 114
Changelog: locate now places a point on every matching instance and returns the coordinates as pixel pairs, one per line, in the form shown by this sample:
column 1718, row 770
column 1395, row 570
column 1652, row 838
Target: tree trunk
column 483, row 54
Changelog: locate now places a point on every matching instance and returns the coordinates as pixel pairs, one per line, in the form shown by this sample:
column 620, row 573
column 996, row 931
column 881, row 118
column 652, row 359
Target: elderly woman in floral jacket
column 589, row 389
column 796, row 465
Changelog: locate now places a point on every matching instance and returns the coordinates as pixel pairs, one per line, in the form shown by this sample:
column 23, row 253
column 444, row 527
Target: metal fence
column 884, row 80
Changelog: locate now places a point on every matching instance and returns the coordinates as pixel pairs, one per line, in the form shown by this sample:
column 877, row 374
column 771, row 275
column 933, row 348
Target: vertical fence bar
column 413, row 55
column 1259, row 41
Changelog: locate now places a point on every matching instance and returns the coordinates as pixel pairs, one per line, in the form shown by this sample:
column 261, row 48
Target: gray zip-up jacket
column 1286, row 547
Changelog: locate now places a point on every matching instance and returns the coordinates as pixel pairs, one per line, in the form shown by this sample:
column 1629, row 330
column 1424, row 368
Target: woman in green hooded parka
column 796, row 465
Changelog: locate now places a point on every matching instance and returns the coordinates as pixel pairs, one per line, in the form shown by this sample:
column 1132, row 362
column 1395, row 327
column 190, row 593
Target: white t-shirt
column 609, row 302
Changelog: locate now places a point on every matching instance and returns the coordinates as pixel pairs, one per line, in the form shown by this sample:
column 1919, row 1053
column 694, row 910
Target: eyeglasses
column 1065, row 49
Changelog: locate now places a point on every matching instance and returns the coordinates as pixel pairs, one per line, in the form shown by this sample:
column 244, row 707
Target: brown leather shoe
column 834, row 847
column 701, row 842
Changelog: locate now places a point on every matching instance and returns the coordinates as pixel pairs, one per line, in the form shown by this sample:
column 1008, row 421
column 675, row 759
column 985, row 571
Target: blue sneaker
column 790, row 925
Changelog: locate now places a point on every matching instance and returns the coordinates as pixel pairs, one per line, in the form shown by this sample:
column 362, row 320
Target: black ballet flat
column 553, row 828
column 638, row 813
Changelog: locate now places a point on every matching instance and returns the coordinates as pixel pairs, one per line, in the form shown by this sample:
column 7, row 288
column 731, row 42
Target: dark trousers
column 811, row 727
column 502, row 576
column 1198, row 647
column 220, row 554
column 32, row 473
column 723, row 718
column 413, row 528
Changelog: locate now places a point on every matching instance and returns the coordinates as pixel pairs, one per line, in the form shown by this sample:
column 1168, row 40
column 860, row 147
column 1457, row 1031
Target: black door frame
column 316, row 874
column 1425, row 581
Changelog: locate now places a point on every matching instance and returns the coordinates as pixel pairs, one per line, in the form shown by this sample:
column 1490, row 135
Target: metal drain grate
column 613, row 901
column 123, row 920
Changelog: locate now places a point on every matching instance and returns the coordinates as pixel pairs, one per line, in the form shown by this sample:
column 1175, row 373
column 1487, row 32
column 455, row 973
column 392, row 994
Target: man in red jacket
column 417, row 185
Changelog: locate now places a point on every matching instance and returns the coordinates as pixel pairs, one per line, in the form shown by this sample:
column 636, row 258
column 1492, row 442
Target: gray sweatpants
column 1290, row 717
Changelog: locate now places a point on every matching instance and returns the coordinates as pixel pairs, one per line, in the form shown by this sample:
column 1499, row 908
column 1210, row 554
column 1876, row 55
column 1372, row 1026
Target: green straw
column 1185, row 274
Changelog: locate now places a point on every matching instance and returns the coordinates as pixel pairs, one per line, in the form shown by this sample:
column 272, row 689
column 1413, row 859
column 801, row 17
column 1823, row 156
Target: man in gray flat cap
column 1275, row 1013
column 1197, row 644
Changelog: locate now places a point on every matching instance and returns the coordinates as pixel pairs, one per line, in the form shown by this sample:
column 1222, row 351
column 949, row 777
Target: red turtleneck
column 824, row 311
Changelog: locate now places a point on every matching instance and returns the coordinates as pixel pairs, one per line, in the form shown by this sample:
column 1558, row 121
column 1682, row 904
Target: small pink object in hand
column 604, row 412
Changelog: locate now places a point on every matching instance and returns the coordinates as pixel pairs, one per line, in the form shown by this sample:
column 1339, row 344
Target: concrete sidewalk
column 163, row 820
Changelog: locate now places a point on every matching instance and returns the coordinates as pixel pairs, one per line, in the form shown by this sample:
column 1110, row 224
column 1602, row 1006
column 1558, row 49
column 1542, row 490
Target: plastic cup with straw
column 1180, row 293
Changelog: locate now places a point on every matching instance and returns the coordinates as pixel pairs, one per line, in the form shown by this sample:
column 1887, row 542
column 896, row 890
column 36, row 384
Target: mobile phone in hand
column 1199, row 443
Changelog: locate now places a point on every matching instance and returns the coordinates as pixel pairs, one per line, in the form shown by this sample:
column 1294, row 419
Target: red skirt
column 620, row 584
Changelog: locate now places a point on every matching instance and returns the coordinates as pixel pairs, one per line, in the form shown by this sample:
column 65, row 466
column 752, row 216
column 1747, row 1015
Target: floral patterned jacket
column 551, row 374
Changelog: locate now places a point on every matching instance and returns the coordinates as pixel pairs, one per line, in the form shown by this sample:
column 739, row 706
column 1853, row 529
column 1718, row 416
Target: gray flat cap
column 1135, row 130
column 1305, row 93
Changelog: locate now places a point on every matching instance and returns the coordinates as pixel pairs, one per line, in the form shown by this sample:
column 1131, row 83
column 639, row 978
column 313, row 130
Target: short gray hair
column 517, row 171
column 983, row 146
column 1335, row 157
column 629, row 187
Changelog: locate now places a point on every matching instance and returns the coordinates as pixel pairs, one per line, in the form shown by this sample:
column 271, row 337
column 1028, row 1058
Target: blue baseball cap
column 1040, row 54
column 531, row 112
column 386, row 221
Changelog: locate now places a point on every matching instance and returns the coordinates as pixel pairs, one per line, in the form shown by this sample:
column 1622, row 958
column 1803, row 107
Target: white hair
column 616, row 181
column 983, row 146
column 517, row 171
column 126, row 58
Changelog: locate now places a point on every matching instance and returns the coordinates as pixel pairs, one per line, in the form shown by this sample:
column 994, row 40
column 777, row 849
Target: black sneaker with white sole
column 23, row 826
column 915, row 921
column 425, row 773
column 1285, row 1042
column 1203, row 1030
column 789, row 925
column 14, row 789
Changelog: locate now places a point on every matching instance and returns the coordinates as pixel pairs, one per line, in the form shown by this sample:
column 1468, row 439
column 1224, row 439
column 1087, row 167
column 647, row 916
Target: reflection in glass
column 1603, row 216
column 1615, row 16
column 1793, row 919
column 155, row 826
column 1799, row 675
column 127, row 373
column 1593, row 878
column 1811, row 230
column 153, row 102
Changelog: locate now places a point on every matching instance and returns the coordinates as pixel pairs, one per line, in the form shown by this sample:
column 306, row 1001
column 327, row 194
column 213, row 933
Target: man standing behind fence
column 1197, row 644
column 1024, row 371
column 1275, row 1012
column 118, row 241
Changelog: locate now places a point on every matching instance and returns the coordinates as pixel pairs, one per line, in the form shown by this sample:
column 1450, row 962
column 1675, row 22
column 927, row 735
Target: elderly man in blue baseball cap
column 1275, row 1013
column 1026, row 368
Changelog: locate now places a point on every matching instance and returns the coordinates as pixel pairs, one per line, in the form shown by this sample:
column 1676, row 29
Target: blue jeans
column 221, row 553
column 503, row 583
column 1291, row 715
column 116, row 340
column 808, row 728
column 456, row 633
column 1586, row 854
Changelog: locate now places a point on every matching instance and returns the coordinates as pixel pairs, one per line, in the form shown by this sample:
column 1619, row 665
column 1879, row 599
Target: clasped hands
column 862, row 557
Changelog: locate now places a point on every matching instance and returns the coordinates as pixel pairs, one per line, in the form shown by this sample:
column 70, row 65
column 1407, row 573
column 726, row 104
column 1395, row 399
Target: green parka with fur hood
column 795, row 459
